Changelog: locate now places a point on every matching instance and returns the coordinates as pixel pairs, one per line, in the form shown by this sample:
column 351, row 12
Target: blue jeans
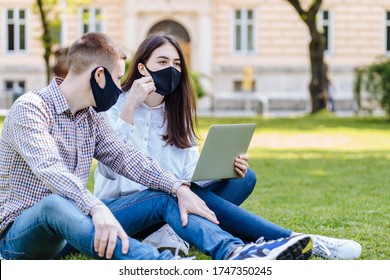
column 235, row 190
column 248, row 227
column 41, row 231
column 238, row 221
column 154, row 207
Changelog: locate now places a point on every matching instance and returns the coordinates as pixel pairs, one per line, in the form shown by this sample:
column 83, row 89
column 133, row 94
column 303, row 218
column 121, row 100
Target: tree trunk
column 317, row 86
column 319, row 78
column 46, row 39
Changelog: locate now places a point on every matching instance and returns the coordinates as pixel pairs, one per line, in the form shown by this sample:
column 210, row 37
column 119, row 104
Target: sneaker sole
column 299, row 248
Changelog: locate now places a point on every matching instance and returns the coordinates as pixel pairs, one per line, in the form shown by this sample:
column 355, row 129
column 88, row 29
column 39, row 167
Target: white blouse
column 146, row 136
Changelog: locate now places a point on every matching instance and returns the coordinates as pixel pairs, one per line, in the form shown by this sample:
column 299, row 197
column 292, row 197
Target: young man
column 48, row 141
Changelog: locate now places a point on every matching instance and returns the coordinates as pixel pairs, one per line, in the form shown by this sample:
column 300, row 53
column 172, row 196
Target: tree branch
column 315, row 6
column 297, row 5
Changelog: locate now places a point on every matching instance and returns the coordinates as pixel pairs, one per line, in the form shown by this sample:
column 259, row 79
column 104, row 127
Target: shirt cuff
column 177, row 185
column 124, row 129
column 88, row 202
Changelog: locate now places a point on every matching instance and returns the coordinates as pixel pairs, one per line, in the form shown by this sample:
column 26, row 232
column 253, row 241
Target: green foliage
column 49, row 12
column 376, row 80
column 198, row 88
column 52, row 10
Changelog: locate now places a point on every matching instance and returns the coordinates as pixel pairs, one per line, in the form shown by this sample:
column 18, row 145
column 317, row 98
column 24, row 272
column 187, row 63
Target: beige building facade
column 220, row 39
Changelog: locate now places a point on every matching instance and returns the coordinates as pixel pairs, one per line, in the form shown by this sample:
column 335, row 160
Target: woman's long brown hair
column 180, row 106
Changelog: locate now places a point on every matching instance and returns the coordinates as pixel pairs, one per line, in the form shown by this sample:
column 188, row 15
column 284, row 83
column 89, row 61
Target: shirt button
column 147, row 124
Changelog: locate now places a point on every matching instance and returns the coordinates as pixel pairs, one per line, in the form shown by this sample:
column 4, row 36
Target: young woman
column 157, row 115
column 161, row 123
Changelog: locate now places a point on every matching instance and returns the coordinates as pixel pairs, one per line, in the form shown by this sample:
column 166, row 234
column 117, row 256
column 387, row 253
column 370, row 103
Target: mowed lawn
column 320, row 174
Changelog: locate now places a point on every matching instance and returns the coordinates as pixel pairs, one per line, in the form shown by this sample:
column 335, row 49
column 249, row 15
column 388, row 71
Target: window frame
column 244, row 23
column 386, row 33
column 15, row 84
column 17, row 22
column 92, row 20
column 321, row 23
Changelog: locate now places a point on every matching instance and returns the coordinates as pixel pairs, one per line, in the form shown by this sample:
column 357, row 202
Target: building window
column 13, row 90
column 15, row 86
column 91, row 20
column 16, row 30
column 244, row 31
column 238, row 86
column 387, row 32
column 324, row 24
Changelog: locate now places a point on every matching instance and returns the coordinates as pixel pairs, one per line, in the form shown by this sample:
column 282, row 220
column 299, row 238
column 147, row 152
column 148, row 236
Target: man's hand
column 241, row 165
column 107, row 229
column 189, row 203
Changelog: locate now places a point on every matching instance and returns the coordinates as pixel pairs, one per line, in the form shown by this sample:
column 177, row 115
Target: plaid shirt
column 44, row 149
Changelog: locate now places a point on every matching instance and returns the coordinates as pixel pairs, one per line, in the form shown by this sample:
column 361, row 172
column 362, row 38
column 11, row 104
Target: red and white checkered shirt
column 44, row 149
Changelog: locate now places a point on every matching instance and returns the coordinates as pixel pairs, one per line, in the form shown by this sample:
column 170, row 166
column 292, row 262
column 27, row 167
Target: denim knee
column 52, row 203
column 250, row 180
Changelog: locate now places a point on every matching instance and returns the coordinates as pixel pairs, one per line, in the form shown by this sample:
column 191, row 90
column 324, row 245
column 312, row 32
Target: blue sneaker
column 291, row 248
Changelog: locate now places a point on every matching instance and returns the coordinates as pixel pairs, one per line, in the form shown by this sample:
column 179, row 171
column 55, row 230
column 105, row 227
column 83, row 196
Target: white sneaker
column 333, row 248
column 166, row 239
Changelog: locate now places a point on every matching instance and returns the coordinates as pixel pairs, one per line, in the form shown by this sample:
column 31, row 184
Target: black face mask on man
column 105, row 97
column 166, row 80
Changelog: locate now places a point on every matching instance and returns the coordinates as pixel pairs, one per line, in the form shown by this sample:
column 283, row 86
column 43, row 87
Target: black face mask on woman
column 105, row 97
column 166, row 80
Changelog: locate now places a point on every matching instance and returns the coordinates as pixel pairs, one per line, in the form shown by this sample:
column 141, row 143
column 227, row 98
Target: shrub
column 376, row 80
column 198, row 88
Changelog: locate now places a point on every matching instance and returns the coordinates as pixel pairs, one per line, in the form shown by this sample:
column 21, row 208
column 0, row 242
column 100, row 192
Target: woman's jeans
column 234, row 190
column 237, row 191
column 40, row 232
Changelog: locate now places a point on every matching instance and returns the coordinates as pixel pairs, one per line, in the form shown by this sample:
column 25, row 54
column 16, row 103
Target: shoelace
column 261, row 240
column 177, row 252
column 320, row 248
column 178, row 257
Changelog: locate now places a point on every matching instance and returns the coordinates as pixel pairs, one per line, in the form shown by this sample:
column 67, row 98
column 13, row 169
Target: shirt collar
column 58, row 97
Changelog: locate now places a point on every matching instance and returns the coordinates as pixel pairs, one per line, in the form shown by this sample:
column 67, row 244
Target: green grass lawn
column 320, row 174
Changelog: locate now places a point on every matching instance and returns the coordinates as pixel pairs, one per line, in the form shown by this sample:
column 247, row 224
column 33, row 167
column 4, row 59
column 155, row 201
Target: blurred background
column 247, row 57
column 273, row 62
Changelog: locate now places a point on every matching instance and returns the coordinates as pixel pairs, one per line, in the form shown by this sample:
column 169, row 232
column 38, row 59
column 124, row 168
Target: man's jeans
column 40, row 232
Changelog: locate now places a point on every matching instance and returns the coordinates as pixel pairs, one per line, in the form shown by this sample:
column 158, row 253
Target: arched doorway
column 176, row 29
